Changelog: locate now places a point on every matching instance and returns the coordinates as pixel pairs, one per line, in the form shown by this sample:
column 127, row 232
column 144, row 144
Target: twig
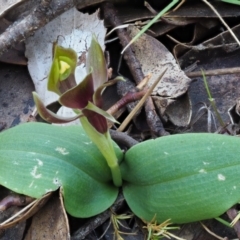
column 232, row 213
column 19, row 213
column 223, row 22
column 95, row 222
column 141, row 102
column 123, row 138
column 201, row 47
column 153, row 120
column 214, row 72
column 110, row 15
column 212, row 233
column 40, row 16
column 150, row 8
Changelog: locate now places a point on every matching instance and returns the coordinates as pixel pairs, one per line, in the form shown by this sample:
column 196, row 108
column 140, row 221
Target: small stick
column 150, row 8
column 153, row 120
column 130, row 96
column 214, row 72
column 144, row 29
column 223, row 22
column 144, row 82
column 19, row 213
column 96, row 221
column 123, row 138
column 211, row 233
column 140, row 104
column 232, row 213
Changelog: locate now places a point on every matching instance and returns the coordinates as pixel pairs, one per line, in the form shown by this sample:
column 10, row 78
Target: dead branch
column 153, row 119
column 214, row 72
column 98, row 220
column 39, row 17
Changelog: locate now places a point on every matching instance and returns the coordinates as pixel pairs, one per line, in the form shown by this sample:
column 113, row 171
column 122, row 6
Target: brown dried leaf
column 218, row 52
column 154, row 57
column 27, row 214
column 50, row 222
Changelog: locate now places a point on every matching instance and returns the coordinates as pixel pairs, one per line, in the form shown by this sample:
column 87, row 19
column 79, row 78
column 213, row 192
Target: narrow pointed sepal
column 96, row 120
column 48, row 115
column 98, row 110
column 79, row 96
column 97, row 96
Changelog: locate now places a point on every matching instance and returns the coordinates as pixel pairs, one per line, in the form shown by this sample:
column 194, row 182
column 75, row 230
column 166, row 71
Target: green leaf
column 185, row 177
column 36, row 158
column 237, row 2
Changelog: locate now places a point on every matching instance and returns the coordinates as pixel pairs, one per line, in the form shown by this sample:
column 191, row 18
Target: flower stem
column 116, row 175
column 105, row 145
column 212, row 100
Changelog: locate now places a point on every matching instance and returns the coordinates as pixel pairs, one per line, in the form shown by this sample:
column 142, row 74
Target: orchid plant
column 85, row 98
column 183, row 177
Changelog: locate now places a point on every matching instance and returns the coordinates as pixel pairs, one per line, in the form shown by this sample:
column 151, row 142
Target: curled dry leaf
column 154, row 56
column 225, row 89
column 31, row 209
column 50, row 222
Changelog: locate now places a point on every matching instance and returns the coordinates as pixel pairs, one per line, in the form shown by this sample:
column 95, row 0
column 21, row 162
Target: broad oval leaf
column 185, row 177
column 37, row 158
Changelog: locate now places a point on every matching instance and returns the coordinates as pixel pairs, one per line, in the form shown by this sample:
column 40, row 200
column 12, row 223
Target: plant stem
column 116, row 175
column 212, row 100
column 113, row 162
column 105, row 145
column 224, row 222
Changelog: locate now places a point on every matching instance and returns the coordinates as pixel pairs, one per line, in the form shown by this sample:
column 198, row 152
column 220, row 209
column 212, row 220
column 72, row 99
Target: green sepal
column 96, row 63
column 60, row 71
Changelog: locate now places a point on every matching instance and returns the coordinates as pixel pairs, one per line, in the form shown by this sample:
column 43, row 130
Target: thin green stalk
column 223, row 222
column 212, row 100
column 105, row 145
column 145, row 28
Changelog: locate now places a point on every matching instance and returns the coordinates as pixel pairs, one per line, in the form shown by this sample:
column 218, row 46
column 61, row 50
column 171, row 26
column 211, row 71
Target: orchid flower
column 85, row 98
